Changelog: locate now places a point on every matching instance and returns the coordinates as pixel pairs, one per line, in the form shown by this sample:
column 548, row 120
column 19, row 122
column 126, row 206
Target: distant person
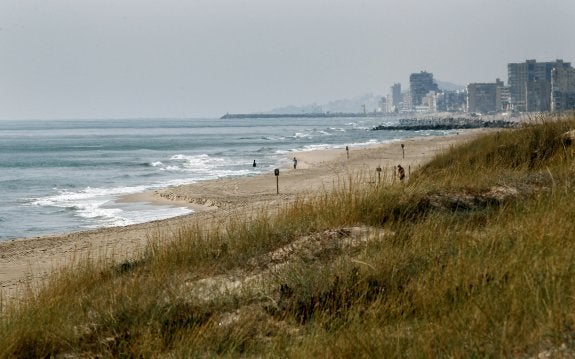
column 254, row 165
column 294, row 163
column 401, row 172
column 347, row 151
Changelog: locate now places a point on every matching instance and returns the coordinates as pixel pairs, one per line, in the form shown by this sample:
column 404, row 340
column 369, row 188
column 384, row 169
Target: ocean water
column 61, row 176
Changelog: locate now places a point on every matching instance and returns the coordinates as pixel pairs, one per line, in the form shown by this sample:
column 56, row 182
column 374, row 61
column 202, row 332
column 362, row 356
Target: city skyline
column 126, row 59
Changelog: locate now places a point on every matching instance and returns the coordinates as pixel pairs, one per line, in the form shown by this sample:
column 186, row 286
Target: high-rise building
column 454, row 101
column 530, row 84
column 394, row 99
column 482, row 97
column 563, row 89
column 420, row 84
column 406, row 104
column 439, row 102
column 538, row 95
column 503, row 96
column 382, row 104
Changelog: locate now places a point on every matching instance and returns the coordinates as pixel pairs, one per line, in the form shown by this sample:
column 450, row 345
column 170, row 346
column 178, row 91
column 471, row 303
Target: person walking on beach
column 294, row 163
column 254, row 165
column 400, row 172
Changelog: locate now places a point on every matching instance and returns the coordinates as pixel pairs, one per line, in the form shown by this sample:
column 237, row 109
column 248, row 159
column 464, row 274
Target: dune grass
column 474, row 257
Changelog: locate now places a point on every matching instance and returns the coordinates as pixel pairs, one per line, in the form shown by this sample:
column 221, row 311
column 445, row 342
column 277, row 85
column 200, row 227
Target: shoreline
column 28, row 262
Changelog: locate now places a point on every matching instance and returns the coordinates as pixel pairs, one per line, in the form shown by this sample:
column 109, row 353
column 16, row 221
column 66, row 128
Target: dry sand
column 25, row 263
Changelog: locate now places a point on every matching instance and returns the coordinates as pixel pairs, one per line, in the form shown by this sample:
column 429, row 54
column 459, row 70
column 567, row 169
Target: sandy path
column 27, row 262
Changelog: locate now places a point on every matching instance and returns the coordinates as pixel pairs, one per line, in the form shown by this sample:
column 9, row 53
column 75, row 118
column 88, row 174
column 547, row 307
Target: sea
column 59, row 176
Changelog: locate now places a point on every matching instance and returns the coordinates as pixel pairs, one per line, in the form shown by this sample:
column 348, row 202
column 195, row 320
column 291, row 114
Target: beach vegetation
column 474, row 256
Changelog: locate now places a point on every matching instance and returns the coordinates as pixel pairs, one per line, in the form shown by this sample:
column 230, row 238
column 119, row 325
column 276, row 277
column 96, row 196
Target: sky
column 88, row 59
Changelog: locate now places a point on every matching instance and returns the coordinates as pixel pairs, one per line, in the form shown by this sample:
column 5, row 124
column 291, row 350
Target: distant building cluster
column 531, row 87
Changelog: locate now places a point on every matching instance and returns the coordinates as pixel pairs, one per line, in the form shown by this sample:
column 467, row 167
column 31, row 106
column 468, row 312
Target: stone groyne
column 444, row 123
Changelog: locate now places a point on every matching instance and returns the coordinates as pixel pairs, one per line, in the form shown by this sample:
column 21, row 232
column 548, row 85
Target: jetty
column 444, row 123
column 301, row 115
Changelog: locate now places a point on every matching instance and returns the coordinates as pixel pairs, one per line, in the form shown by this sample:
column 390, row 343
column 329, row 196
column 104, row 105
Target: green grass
column 474, row 257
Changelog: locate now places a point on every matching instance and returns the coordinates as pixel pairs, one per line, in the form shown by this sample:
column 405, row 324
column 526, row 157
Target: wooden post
column 277, row 174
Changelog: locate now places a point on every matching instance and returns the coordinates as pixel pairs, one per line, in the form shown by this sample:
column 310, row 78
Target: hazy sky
column 198, row 58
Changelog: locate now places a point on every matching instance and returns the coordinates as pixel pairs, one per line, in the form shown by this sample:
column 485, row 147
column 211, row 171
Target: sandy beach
column 26, row 263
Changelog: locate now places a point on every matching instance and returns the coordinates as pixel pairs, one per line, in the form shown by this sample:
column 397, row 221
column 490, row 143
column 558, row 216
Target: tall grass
column 473, row 257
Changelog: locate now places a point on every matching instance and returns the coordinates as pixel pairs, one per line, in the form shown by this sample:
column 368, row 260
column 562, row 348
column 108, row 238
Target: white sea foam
column 273, row 138
column 172, row 168
column 318, row 147
column 200, row 163
column 133, row 213
column 69, row 199
column 301, row 135
column 100, row 207
column 192, row 158
column 326, row 146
